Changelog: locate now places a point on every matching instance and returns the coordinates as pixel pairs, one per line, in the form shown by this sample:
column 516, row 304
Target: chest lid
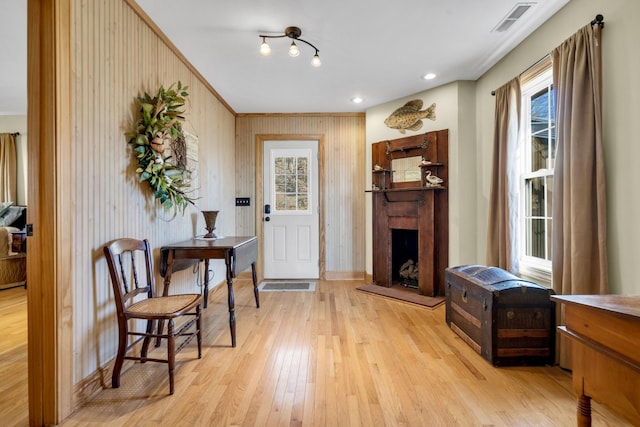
column 492, row 279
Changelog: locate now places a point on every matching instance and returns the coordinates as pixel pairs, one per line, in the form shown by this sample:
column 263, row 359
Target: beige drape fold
column 500, row 250
column 8, row 160
column 579, row 234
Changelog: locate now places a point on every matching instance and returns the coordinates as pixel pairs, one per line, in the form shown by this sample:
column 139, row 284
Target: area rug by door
column 287, row 286
column 399, row 292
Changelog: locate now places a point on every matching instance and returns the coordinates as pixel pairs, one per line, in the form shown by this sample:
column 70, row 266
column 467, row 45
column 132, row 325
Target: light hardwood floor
column 13, row 357
column 334, row 357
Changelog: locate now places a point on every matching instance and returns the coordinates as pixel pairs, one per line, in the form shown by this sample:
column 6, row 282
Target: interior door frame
column 260, row 140
column 49, row 291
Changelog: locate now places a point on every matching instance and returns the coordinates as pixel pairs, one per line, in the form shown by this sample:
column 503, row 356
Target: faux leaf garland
column 160, row 148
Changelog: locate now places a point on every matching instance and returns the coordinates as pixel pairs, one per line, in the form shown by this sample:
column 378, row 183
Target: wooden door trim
column 49, row 306
column 260, row 139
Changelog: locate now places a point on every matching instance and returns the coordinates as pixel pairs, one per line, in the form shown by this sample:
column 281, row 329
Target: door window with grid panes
column 536, row 174
column 291, row 176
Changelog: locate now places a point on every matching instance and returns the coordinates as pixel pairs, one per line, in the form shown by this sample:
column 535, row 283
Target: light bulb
column 293, row 50
column 316, row 61
column 265, row 49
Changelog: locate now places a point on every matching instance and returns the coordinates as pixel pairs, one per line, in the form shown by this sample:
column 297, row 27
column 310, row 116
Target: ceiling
column 373, row 49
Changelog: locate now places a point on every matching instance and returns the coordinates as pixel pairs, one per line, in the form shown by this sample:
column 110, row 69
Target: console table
column 238, row 253
column 605, row 355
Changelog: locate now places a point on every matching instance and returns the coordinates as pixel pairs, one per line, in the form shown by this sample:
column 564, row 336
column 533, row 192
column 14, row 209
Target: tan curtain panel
column 500, row 250
column 8, row 160
column 579, row 232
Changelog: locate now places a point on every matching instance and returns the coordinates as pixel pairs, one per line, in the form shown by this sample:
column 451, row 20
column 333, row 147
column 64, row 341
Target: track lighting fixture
column 294, row 34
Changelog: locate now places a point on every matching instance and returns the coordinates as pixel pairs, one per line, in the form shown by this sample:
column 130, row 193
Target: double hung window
column 537, row 154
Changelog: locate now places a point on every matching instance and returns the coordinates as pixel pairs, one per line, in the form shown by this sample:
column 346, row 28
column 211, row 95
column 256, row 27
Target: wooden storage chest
column 505, row 319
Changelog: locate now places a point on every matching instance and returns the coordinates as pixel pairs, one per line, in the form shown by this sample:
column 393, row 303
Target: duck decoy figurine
column 433, row 180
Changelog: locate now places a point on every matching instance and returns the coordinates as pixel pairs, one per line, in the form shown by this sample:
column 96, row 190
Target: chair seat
column 167, row 307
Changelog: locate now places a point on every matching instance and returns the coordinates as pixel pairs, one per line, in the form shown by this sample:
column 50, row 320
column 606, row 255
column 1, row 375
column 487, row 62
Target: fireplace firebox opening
column 404, row 257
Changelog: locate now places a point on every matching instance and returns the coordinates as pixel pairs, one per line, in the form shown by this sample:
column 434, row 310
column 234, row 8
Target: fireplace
column 404, row 257
column 410, row 219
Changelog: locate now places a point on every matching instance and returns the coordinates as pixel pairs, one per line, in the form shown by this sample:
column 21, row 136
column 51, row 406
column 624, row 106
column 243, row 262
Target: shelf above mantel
column 407, row 189
column 408, row 194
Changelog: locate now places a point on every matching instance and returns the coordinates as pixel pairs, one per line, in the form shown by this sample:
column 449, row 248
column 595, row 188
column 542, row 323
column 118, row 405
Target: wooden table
column 605, row 352
column 238, row 253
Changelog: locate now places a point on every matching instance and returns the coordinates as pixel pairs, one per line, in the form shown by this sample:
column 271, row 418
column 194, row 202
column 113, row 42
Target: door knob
column 267, row 219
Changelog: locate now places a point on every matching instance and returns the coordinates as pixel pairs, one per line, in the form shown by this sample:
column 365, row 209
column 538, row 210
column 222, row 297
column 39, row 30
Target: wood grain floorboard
column 13, row 358
column 334, row 357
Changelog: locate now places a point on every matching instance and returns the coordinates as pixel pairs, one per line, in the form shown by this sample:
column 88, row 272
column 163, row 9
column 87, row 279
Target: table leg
column 584, row 411
column 255, row 284
column 206, row 282
column 232, row 304
column 165, row 291
column 167, row 274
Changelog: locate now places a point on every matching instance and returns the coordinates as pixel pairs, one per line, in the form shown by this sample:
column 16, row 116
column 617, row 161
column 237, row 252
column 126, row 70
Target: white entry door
column 291, row 222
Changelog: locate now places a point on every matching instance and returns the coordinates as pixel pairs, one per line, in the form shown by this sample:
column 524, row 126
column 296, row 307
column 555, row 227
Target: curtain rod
column 598, row 20
column 15, row 133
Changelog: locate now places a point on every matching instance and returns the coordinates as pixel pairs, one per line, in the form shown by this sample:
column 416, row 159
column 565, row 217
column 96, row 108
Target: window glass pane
column 549, row 225
column 535, row 192
column 290, row 202
column 290, row 185
column 303, row 202
column 302, row 165
column 540, row 111
column 279, row 165
column 280, row 183
column 302, row 184
column 536, row 238
column 539, row 151
column 280, row 202
column 290, row 165
column 542, row 127
column 549, row 195
column 552, row 105
column 552, row 149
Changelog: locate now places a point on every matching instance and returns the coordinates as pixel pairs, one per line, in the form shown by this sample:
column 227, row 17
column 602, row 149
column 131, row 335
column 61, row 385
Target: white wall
column 621, row 108
column 12, row 124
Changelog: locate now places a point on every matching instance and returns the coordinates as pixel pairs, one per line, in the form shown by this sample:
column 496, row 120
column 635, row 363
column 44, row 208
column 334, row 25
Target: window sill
column 541, row 276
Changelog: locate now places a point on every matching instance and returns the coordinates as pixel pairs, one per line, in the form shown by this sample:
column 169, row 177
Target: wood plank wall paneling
column 116, row 57
column 344, row 180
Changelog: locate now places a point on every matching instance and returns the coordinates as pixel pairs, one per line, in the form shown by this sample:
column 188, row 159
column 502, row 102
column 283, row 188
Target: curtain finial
column 598, row 20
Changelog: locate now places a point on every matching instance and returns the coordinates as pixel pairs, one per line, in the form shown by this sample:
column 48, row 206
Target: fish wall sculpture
column 410, row 115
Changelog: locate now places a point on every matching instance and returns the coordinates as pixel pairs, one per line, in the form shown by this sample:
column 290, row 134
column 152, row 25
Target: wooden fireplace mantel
column 412, row 206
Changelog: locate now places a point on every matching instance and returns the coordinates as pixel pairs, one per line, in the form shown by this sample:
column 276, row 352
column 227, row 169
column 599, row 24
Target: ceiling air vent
column 515, row 14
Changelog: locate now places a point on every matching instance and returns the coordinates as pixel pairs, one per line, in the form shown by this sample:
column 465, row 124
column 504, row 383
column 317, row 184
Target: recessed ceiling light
column 356, row 100
column 429, row 76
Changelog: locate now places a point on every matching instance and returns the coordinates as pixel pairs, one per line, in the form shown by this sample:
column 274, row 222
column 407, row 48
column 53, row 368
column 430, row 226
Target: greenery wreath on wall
column 160, row 148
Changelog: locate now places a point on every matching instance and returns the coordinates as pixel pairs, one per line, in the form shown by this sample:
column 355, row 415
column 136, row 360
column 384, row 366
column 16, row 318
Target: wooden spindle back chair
column 135, row 299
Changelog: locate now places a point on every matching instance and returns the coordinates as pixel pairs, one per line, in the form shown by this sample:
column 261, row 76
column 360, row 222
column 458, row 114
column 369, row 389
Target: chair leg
column 147, row 340
column 123, row 333
column 171, row 355
column 199, row 334
column 160, row 329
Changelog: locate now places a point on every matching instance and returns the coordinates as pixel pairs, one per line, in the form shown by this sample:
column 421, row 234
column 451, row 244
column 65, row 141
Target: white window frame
column 535, row 268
